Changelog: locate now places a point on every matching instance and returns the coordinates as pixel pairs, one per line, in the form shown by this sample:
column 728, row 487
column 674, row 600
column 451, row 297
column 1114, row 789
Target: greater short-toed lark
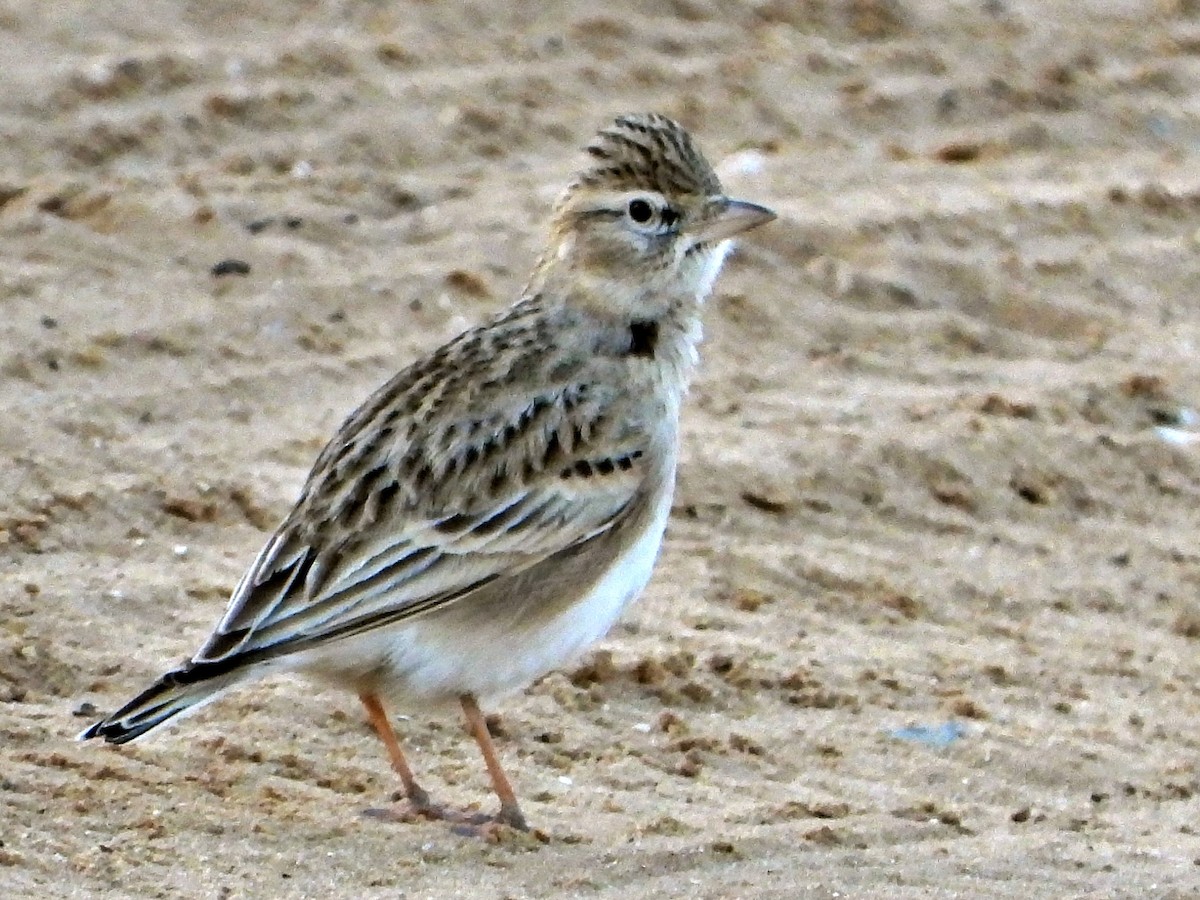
column 488, row 512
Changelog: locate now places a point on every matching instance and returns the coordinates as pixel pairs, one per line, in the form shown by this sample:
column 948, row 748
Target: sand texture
column 938, row 469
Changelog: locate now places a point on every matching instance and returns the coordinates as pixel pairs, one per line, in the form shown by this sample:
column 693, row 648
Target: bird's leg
column 413, row 792
column 510, row 811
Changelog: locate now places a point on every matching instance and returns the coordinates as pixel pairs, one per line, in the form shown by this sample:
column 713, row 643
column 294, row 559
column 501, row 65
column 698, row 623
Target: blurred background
column 926, row 621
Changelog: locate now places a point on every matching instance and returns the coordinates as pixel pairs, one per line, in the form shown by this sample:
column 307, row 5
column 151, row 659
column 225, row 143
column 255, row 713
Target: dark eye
column 640, row 211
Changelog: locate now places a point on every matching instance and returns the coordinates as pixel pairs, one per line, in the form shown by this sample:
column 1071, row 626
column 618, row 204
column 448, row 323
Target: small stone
column 749, row 600
column 669, row 722
column 230, row 267
column 690, row 765
column 958, row 152
column 468, row 282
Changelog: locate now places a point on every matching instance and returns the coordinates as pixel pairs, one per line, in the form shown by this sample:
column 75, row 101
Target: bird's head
column 646, row 223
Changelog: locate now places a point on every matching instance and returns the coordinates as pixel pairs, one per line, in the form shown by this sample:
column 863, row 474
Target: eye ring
column 640, row 211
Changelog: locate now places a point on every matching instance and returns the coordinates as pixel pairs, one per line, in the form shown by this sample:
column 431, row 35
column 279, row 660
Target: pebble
column 230, row 267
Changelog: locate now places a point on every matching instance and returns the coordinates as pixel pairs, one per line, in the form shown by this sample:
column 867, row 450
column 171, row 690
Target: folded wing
column 391, row 529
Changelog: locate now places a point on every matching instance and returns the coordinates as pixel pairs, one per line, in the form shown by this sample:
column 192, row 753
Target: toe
column 510, row 814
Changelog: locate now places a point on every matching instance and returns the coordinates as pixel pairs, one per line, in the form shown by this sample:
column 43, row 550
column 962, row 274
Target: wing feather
column 314, row 582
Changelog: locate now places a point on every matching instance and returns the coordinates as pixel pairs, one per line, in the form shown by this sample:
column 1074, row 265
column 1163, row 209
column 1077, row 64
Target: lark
column 487, row 513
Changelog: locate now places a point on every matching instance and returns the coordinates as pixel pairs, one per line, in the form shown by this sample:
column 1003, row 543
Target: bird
column 488, row 512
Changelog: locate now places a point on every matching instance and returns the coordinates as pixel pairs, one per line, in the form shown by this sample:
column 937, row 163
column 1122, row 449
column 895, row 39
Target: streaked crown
column 648, row 152
column 645, row 226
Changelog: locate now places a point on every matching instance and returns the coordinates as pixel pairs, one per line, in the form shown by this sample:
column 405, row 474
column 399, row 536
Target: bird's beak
column 726, row 217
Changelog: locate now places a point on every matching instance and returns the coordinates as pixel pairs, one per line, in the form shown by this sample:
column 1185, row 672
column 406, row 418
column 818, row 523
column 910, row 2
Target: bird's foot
column 415, row 806
column 408, row 811
column 492, row 828
column 465, row 823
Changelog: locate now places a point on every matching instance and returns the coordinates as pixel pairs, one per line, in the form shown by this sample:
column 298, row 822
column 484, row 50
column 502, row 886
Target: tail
column 185, row 689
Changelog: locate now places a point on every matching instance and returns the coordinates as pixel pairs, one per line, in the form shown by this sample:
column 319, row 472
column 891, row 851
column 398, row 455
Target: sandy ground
column 925, row 482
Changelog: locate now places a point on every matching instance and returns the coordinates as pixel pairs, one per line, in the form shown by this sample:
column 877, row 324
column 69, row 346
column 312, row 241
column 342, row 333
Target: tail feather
column 175, row 693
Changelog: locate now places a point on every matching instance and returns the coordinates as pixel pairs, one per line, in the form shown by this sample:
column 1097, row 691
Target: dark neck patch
column 643, row 337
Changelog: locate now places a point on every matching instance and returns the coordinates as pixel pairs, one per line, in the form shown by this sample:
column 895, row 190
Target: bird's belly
column 495, row 658
column 436, row 659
